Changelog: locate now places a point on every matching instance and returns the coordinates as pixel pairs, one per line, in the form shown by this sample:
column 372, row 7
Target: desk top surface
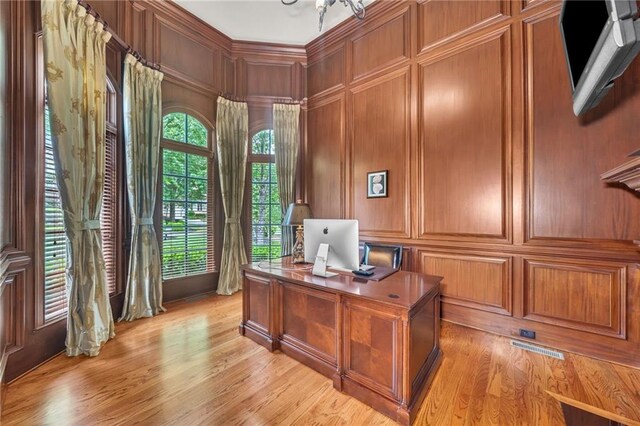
column 402, row 289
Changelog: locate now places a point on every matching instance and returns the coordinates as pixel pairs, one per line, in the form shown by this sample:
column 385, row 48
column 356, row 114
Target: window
column 187, row 210
column 54, row 238
column 266, row 214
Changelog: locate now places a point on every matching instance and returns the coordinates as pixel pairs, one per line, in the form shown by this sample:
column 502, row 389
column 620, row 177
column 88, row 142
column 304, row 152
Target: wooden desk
column 377, row 341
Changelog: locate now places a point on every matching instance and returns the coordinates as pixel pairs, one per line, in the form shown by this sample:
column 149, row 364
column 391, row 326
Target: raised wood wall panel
column 177, row 95
column 577, row 295
column 141, row 23
column 566, row 155
column 111, row 13
column 229, row 74
column 466, row 168
column 380, row 114
column 381, row 47
column 184, row 56
column 326, row 73
column 269, row 79
column 441, row 21
column 478, row 282
column 6, row 215
column 325, row 158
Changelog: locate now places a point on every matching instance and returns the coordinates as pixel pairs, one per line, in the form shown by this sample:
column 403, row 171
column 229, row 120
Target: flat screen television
column 601, row 38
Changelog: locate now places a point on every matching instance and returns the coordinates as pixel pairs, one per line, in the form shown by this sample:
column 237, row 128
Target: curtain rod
column 116, row 38
column 231, row 97
column 288, row 101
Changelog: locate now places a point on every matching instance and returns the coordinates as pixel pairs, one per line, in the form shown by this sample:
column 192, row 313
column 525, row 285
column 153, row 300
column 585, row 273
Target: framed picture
column 377, row 184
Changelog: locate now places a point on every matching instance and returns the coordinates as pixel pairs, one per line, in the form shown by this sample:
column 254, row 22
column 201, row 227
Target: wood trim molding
column 501, row 16
column 276, row 51
column 12, row 262
column 627, row 174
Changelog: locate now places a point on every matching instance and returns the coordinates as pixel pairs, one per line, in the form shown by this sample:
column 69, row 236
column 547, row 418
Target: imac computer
column 331, row 243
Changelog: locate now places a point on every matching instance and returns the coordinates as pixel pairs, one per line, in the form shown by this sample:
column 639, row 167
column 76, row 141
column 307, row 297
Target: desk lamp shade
column 295, row 216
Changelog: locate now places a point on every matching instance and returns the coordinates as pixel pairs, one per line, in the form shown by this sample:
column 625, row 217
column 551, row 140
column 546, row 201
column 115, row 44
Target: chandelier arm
column 322, row 12
column 356, row 8
column 288, row 3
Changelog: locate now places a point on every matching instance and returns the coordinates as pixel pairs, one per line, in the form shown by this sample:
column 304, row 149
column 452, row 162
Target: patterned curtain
column 142, row 95
column 232, row 138
column 74, row 52
column 286, row 131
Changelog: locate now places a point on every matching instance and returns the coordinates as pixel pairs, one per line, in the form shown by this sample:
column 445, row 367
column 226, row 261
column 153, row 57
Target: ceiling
column 267, row 20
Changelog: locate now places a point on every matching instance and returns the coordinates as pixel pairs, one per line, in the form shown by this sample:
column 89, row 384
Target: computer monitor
column 340, row 235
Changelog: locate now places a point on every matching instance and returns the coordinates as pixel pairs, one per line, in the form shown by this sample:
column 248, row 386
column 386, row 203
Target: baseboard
column 3, row 384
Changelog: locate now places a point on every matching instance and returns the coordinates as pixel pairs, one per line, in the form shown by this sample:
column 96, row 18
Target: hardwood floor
column 190, row 366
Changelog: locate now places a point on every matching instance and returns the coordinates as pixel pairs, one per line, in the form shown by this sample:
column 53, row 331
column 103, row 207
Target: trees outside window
column 187, row 207
column 266, row 214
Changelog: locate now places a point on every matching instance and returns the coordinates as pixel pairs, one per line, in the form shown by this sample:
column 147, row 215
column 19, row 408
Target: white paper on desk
column 320, row 265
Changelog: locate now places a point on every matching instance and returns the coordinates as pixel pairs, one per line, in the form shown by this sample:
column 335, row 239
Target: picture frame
column 377, row 184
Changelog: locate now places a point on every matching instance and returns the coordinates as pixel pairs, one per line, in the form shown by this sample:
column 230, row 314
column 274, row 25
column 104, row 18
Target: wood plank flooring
column 190, row 366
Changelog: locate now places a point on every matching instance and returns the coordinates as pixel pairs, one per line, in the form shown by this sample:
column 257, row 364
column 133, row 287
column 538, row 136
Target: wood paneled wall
column 199, row 63
column 493, row 182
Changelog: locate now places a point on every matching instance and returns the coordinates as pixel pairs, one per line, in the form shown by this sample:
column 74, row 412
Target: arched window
column 187, row 201
column 266, row 214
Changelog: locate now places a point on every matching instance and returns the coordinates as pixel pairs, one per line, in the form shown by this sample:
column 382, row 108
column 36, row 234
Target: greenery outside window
column 187, row 208
column 266, row 214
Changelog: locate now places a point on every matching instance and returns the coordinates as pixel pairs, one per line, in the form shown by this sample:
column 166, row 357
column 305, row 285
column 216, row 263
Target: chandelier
column 321, row 6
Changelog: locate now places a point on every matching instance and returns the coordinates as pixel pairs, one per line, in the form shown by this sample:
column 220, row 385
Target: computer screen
column 342, row 237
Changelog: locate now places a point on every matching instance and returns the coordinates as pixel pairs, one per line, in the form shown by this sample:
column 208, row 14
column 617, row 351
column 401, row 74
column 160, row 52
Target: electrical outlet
column 529, row 334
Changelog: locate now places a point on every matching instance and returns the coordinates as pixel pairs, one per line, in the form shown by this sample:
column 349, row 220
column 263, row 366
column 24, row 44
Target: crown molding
column 265, row 49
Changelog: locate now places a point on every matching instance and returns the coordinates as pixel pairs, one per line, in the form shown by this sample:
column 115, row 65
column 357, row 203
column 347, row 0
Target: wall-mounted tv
column 601, row 38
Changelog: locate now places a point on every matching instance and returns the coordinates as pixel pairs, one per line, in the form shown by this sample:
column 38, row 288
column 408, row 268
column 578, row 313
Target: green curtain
column 286, row 133
column 232, row 139
column 74, row 53
column 142, row 106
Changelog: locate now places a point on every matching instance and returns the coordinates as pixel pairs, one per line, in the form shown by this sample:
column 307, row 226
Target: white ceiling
column 267, row 20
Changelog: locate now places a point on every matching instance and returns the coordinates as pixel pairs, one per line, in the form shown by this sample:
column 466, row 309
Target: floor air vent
column 537, row 349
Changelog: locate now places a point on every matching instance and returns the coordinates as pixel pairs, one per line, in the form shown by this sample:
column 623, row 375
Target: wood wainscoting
column 493, row 182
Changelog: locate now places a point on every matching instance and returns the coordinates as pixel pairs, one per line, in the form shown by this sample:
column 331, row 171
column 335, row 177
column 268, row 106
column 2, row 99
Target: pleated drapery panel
column 232, row 140
column 74, row 54
column 286, row 132
column 142, row 107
